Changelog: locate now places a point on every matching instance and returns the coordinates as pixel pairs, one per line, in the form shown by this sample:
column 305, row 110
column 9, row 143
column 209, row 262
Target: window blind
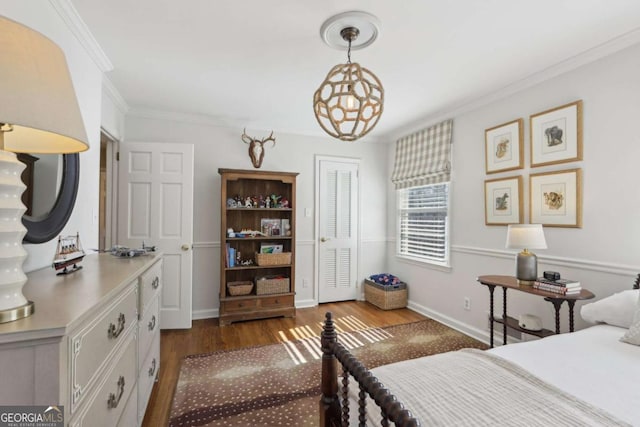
column 423, row 157
column 423, row 225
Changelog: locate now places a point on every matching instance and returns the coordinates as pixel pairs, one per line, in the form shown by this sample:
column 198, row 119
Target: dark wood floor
column 207, row 336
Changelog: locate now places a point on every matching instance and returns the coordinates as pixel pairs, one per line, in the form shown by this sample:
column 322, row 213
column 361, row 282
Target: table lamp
column 525, row 237
column 39, row 113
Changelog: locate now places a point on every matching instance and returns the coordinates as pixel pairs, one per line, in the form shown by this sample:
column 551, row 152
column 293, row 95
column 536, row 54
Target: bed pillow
column 632, row 336
column 617, row 309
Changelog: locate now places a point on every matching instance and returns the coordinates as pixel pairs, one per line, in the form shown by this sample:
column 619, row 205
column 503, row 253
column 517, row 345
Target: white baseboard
column 479, row 334
column 307, row 303
column 205, row 314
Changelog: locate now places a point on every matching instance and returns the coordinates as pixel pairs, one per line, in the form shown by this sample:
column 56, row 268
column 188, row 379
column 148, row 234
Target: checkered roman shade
column 423, row 157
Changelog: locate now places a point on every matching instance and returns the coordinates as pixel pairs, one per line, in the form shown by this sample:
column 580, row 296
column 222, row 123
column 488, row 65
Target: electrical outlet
column 305, row 283
column 467, row 303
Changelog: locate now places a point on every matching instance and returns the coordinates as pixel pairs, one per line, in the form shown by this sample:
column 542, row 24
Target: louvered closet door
column 338, row 230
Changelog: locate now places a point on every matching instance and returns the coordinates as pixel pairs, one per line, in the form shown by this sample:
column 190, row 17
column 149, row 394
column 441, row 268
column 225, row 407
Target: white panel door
column 337, row 207
column 156, row 207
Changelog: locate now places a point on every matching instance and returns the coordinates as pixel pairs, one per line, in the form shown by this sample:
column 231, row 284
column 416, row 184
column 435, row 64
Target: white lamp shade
column 38, row 99
column 525, row 236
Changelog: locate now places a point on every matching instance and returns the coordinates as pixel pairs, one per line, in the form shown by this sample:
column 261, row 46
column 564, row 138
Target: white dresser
column 92, row 345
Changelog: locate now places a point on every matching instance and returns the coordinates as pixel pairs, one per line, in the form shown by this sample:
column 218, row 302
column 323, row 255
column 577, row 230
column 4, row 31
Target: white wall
column 87, row 79
column 603, row 254
column 221, row 147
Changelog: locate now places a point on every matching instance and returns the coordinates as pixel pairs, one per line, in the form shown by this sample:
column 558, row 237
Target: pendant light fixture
column 349, row 102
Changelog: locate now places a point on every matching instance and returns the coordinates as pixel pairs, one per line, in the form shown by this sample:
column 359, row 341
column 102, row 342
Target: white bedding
column 591, row 364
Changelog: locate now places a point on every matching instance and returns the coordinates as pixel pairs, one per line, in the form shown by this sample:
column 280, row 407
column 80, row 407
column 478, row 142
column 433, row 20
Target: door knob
column 324, row 239
column 185, row 247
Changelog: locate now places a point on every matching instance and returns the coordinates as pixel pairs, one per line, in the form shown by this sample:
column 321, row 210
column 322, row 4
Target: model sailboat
column 68, row 254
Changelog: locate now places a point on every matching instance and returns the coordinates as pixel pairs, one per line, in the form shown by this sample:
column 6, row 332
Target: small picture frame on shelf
column 504, row 147
column 503, row 201
column 270, row 226
column 556, row 198
column 271, row 248
column 285, row 227
column 556, row 135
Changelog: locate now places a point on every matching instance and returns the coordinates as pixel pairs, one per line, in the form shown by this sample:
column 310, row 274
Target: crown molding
column 175, row 116
column 110, row 90
column 583, row 58
column 70, row 16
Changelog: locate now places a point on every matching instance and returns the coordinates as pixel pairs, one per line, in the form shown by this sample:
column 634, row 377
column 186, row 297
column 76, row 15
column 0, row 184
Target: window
column 423, row 224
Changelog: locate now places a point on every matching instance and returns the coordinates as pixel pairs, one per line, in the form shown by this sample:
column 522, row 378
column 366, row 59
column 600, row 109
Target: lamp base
column 16, row 313
column 526, row 268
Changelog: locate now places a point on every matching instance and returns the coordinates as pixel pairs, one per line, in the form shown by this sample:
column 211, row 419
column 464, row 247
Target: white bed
column 591, row 364
column 585, row 378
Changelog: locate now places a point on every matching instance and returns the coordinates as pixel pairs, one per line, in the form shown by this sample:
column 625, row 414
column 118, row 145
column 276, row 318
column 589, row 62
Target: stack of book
column 560, row 286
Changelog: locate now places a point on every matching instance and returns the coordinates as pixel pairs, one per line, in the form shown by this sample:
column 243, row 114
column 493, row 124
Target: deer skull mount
column 256, row 147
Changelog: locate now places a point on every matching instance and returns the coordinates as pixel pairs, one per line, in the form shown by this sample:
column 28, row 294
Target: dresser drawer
column 148, row 374
column 240, row 305
column 149, row 328
column 94, row 345
column 277, row 301
column 150, row 282
column 129, row 417
column 107, row 404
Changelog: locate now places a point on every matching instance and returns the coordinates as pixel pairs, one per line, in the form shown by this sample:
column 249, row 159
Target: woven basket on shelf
column 236, row 289
column 386, row 298
column 283, row 258
column 271, row 285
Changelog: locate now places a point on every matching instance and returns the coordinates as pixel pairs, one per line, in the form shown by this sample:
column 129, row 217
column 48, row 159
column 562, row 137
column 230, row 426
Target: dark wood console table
column 510, row 282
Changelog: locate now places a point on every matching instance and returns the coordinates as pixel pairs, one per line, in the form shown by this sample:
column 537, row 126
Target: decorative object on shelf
column 125, row 252
column 270, row 227
column 504, row 147
column 526, row 236
column 349, row 102
column 285, row 227
column 231, row 203
column 39, row 113
column 256, row 148
column 556, row 198
column 556, row 135
column 252, row 233
column 530, row 322
column 230, row 232
column 503, row 202
column 69, row 253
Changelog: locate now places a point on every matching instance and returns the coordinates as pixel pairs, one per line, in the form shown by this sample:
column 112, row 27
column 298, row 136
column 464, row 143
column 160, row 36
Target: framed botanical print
column 556, row 135
column 556, row 198
column 504, row 147
column 503, row 201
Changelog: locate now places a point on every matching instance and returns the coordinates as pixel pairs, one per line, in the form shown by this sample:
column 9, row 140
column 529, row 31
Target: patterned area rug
column 279, row 384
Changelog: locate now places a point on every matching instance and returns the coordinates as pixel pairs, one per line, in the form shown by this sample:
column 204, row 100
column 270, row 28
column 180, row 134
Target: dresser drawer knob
column 113, row 331
column 152, row 322
column 155, row 283
column 277, row 301
column 113, row 401
column 152, row 369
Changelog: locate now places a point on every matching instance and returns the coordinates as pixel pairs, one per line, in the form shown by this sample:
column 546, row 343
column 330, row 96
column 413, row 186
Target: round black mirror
column 42, row 229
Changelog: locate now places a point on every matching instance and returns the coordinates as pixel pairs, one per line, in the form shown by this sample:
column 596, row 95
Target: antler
column 246, row 138
column 270, row 138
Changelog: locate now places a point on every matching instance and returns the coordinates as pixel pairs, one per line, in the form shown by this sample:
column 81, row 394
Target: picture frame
column 556, row 198
column 556, row 135
column 504, row 147
column 270, row 226
column 503, row 202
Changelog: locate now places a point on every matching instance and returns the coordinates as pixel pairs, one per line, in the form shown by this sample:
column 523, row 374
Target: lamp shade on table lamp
column 526, row 236
column 39, row 113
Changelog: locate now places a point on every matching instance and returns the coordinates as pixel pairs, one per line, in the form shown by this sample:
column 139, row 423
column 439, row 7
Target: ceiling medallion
column 349, row 102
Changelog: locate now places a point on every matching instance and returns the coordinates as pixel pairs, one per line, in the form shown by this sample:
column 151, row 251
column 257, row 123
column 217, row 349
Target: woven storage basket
column 236, row 289
column 386, row 298
column 283, row 258
column 268, row 285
